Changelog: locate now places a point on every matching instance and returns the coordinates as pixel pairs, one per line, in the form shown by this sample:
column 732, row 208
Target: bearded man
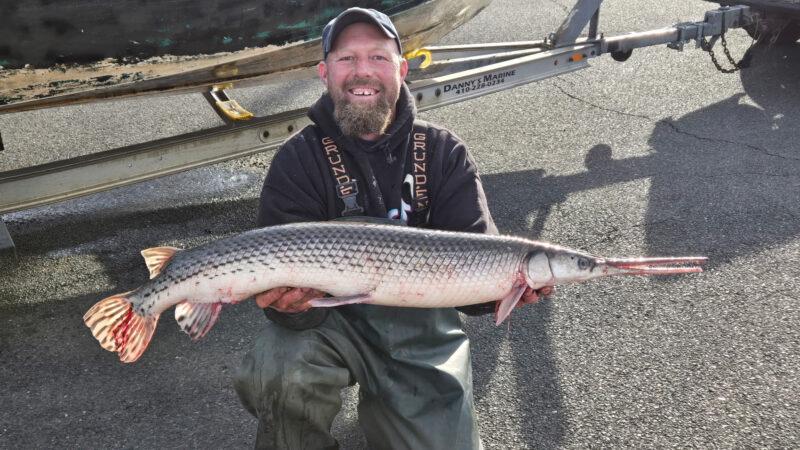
column 366, row 156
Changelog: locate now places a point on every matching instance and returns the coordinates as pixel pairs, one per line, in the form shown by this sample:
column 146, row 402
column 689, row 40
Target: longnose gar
column 355, row 263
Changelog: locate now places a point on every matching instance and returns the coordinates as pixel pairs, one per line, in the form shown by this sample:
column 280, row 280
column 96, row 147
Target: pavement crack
column 676, row 129
column 594, row 105
column 610, row 236
column 673, row 126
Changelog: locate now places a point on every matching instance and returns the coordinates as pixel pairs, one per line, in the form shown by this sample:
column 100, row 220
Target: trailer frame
column 438, row 76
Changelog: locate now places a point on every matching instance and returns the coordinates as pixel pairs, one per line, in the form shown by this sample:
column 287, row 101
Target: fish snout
column 650, row 266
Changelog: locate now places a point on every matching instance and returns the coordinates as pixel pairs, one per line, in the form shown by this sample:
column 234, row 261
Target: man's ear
column 403, row 68
column 322, row 70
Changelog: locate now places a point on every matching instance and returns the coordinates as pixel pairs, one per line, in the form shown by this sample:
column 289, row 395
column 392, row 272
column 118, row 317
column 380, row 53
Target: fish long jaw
column 649, row 266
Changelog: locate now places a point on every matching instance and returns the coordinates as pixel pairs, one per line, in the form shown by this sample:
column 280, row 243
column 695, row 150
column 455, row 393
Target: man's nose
column 363, row 67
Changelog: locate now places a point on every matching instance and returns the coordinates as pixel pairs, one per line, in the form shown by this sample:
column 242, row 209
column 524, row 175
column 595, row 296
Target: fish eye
column 583, row 263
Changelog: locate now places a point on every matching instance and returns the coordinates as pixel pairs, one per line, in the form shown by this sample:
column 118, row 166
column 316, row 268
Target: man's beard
column 363, row 118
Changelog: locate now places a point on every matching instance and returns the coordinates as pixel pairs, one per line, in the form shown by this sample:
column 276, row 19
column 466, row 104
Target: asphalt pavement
column 660, row 155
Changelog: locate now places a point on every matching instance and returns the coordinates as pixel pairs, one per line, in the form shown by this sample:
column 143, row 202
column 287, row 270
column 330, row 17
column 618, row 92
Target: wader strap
column 419, row 161
column 346, row 187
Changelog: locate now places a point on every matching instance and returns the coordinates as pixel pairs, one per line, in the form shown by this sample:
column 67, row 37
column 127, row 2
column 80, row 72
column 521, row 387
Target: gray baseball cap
column 351, row 16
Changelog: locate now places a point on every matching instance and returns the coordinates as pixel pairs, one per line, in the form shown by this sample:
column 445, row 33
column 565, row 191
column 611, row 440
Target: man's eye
column 380, row 58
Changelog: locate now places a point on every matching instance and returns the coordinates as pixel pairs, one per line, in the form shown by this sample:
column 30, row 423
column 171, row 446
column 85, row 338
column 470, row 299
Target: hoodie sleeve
column 293, row 189
column 458, row 202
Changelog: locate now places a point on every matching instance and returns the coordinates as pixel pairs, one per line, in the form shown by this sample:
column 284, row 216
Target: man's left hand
column 531, row 296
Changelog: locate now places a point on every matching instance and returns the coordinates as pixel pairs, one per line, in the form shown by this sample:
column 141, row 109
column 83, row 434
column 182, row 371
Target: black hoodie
column 299, row 186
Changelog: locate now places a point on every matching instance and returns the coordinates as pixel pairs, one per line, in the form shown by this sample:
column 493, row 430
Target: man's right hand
column 288, row 299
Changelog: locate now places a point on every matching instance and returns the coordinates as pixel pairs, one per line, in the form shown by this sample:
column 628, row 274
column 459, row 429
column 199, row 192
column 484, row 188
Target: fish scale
column 354, row 263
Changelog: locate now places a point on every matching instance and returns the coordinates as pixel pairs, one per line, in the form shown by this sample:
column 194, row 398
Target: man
column 366, row 155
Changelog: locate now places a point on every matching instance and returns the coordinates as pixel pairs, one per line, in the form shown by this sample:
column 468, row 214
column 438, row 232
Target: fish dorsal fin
column 156, row 257
column 196, row 318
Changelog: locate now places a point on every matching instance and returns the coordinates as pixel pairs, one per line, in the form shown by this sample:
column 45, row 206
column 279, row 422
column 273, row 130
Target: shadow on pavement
column 738, row 185
column 60, row 390
column 721, row 189
column 705, row 174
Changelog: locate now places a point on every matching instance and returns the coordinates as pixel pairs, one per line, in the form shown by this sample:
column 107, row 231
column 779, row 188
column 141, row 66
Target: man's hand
column 288, row 299
column 532, row 296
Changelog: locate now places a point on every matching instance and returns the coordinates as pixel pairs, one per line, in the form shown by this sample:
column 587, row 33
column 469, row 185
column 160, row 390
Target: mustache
column 364, row 82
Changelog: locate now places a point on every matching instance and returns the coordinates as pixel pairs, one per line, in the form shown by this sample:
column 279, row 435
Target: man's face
column 363, row 73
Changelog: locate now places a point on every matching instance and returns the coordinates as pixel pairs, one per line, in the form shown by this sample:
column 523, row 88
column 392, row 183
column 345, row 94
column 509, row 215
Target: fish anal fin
column 327, row 302
column 508, row 302
column 196, row 318
column 156, row 257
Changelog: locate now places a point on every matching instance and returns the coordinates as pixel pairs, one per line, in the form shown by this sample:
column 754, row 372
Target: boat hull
column 182, row 66
column 43, row 34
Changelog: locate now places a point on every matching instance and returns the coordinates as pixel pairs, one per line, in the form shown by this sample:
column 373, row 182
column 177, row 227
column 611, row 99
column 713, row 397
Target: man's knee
column 282, row 357
column 264, row 366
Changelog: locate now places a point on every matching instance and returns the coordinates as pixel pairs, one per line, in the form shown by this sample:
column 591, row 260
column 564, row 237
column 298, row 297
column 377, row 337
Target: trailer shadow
column 736, row 188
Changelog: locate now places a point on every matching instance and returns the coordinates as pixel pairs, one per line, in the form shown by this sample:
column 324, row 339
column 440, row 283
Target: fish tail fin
column 119, row 328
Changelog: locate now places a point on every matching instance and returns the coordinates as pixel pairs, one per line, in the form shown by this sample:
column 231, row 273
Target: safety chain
column 744, row 62
column 748, row 55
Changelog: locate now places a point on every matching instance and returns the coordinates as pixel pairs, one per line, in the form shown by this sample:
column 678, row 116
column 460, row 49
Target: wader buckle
column 348, row 193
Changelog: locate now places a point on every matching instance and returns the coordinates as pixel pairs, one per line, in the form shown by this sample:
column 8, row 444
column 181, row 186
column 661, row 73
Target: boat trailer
column 438, row 76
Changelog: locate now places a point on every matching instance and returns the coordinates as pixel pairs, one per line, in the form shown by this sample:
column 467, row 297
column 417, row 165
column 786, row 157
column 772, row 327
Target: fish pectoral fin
column 509, row 302
column 156, row 257
column 327, row 302
column 196, row 318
